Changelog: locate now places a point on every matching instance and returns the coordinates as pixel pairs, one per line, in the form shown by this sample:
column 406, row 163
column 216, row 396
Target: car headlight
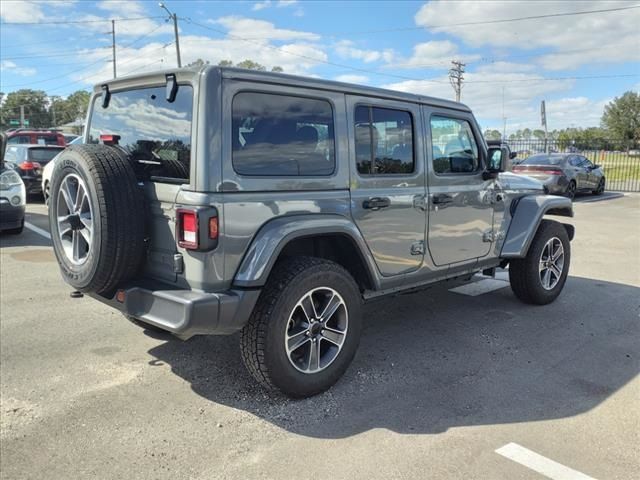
column 9, row 179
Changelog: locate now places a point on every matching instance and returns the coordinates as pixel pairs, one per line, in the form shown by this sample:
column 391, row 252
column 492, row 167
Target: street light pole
column 174, row 17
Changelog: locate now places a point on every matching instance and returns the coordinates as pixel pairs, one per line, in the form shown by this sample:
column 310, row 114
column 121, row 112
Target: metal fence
column 620, row 161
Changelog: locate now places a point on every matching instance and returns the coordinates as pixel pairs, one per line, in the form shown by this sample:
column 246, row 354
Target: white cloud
column 433, row 54
column 352, row 78
column 347, row 49
column 20, row 11
column 260, row 29
column 268, row 3
column 117, row 9
column 585, row 39
column 157, row 55
column 11, row 67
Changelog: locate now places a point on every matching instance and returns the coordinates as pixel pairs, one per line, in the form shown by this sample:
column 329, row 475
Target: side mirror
column 497, row 157
column 513, row 155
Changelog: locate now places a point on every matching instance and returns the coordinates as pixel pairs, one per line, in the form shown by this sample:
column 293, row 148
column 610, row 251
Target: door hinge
column 420, row 202
column 417, row 248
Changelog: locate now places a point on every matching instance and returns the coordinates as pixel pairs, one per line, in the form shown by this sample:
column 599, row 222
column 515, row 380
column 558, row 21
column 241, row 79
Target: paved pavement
column 445, row 385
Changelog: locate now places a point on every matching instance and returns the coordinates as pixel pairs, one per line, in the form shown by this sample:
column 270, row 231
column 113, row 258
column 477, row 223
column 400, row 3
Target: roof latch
column 171, row 88
column 106, row 96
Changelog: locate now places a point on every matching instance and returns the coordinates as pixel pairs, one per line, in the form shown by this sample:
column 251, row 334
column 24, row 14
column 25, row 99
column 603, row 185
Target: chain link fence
column 619, row 160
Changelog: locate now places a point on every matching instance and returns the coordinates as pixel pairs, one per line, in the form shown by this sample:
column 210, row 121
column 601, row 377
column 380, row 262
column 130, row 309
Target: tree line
column 619, row 129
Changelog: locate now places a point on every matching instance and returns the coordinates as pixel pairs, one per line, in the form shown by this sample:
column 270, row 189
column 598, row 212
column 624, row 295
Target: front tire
column 600, row 189
column 539, row 278
column 305, row 328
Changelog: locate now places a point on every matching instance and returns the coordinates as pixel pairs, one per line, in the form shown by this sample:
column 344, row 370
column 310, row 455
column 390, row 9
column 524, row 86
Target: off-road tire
column 118, row 245
column 262, row 339
column 524, row 274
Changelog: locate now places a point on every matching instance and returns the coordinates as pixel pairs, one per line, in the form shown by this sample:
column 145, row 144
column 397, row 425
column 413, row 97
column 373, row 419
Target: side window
column 574, row 161
column 11, row 154
column 585, row 162
column 281, row 135
column 454, row 147
column 384, row 141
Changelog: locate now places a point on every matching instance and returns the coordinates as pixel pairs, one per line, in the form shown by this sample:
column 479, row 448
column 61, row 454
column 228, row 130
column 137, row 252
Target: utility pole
column 174, row 17
column 22, row 116
column 53, row 112
column 113, row 45
column 456, row 76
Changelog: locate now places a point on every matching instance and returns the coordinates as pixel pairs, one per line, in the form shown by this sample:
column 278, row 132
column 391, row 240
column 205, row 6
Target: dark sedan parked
column 28, row 161
column 564, row 173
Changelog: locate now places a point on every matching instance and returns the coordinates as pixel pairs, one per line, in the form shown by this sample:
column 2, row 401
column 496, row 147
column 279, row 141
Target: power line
column 73, row 22
column 464, row 24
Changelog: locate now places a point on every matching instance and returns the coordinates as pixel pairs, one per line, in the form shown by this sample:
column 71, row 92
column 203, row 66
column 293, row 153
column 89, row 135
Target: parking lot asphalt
column 441, row 381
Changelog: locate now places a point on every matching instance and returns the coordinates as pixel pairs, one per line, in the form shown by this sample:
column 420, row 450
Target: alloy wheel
column 75, row 219
column 316, row 330
column 551, row 263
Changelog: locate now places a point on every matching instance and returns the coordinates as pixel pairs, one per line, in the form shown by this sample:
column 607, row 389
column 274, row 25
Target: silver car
column 564, row 173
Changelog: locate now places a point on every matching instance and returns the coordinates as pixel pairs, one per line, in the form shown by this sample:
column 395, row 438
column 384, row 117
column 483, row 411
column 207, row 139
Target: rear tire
column 528, row 275
column 269, row 342
column 100, row 243
column 570, row 192
column 600, row 189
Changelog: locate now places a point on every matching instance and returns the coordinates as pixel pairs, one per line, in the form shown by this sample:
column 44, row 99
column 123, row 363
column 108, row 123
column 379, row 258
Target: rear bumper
column 10, row 216
column 186, row 313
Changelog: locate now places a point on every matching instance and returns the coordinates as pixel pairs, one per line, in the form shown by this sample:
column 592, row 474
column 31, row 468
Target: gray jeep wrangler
column 216, row 200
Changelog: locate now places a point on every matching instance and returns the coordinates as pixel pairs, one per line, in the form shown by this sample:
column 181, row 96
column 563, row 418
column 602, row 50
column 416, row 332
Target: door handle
column 376, row 203
column 442, row 199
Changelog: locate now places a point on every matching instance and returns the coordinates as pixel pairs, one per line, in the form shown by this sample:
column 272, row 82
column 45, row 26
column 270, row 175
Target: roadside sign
column 16, row 123
column 543, row 114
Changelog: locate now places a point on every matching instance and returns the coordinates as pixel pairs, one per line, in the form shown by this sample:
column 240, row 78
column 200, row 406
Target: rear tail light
column 29, row 165
column 110, row 139
column 188, row 229
column 197, row 228
column 539, row 169
column 213, row 228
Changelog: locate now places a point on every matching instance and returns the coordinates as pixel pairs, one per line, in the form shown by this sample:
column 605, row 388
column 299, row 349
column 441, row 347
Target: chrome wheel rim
column 551, row 263
column 316, row 330
column 75, row 219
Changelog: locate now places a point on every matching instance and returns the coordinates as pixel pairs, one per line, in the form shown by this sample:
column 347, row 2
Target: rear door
column 157, row 134
column 461, row 202
column 388, row 181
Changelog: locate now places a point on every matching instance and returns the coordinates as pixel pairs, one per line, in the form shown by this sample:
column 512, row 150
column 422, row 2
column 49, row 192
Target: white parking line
column 37, row 230
column 540, row 464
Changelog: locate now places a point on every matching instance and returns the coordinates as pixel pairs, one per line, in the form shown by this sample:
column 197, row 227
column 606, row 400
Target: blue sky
column 403, row 45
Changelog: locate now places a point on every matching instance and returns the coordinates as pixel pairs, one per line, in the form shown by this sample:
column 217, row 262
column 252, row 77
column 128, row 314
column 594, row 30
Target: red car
column 35, row 137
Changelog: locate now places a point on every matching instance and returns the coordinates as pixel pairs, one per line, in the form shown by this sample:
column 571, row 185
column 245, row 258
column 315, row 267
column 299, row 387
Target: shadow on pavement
column 435, row 360
column 28, row 238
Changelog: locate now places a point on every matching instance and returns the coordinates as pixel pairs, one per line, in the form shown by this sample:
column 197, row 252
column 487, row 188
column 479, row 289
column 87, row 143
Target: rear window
column 281, row 135
column 47, row 140
column 155, row 132
column 43, row 155
column 543, row 160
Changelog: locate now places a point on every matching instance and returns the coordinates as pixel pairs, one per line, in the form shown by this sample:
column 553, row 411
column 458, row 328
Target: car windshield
column 155, row 132
column 543, row 160
column 43, row 155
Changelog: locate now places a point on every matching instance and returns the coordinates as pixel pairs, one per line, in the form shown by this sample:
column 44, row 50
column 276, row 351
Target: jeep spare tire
column 96, row 217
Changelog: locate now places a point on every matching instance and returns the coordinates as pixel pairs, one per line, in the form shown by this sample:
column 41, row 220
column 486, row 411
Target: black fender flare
column 274, row 235
column 526, row 218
